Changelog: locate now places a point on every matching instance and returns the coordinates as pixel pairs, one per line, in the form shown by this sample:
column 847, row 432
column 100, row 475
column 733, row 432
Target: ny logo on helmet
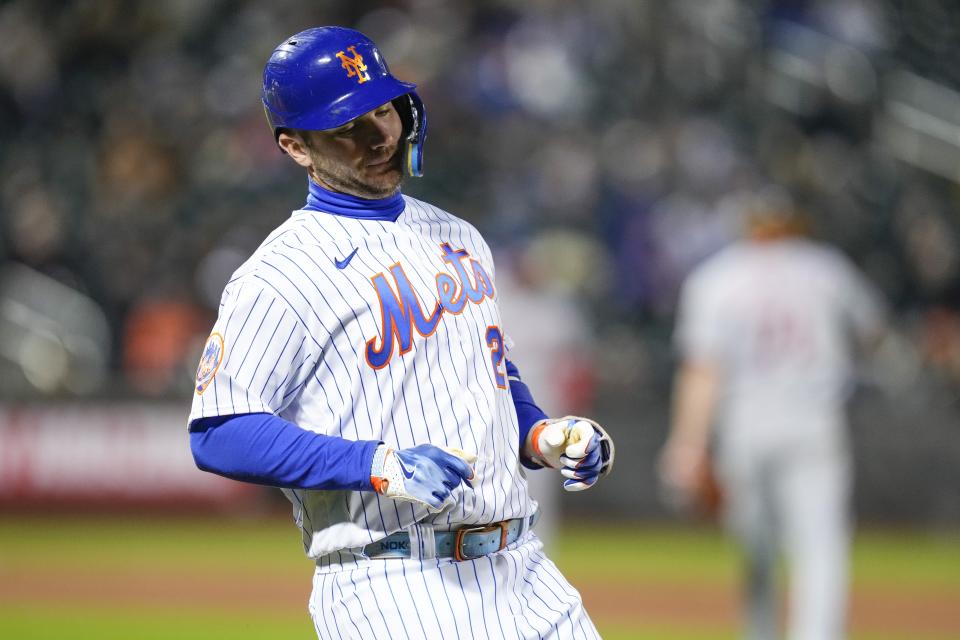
column 354, row 65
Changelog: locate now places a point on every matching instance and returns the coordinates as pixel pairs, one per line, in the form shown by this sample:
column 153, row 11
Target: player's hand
column 579, row 447
column 424, row 474
column 679, row 467
column 688, row 482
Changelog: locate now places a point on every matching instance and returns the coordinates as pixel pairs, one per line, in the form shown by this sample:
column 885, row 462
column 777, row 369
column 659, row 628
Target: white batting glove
column 579, row 447
column 424, row 474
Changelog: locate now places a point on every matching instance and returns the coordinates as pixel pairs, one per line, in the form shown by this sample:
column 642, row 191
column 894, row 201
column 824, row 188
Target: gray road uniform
column 779, row 320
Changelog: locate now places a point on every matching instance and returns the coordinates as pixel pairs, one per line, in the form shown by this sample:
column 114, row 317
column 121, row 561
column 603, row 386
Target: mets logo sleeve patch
column 209, row 361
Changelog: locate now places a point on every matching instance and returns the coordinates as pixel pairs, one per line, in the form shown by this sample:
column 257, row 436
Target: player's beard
column 380, row 183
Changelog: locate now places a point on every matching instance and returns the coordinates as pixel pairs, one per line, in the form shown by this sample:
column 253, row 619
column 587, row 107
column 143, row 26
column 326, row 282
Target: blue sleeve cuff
column 528, row 413
column 264, row 449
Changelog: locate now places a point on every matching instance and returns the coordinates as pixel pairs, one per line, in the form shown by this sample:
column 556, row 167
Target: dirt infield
column 899, row 612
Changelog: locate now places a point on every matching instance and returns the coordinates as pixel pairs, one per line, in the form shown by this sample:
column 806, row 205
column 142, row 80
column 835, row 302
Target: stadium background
column 601, row 148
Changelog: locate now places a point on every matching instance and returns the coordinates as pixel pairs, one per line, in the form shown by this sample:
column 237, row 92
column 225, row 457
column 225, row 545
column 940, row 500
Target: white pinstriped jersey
column 402, row 344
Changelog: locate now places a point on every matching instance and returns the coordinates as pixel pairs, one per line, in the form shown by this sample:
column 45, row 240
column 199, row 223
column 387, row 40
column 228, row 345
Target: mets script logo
column 210, row 361
column 354, row 65
column 400, row 308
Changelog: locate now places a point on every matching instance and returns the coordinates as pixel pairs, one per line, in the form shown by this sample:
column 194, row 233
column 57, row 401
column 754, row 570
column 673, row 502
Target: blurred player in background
column 359, row 362
column 765, row 331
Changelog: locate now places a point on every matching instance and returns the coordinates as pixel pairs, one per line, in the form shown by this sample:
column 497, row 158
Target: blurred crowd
column 608, row 142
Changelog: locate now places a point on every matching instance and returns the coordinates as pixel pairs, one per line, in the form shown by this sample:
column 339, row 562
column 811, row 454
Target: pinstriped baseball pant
column 517, row 593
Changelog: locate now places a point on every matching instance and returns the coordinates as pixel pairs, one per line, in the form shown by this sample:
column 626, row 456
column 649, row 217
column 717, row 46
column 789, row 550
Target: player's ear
column 293, row 143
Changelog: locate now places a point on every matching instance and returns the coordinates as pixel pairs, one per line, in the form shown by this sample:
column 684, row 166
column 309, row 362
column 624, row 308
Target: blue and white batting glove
column 424, row 474
column 579, row 447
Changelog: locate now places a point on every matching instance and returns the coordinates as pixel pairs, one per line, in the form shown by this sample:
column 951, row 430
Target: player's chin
column 384, row 174
column 389, row 167
column 383, row 179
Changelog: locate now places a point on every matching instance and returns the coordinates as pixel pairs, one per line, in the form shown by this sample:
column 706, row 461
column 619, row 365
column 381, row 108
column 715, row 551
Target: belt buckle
column 458, row 539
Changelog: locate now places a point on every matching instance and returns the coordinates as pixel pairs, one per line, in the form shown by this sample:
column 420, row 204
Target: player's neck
column 342, row 204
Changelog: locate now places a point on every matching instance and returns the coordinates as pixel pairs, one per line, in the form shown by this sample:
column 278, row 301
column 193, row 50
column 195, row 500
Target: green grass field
column 244, row 579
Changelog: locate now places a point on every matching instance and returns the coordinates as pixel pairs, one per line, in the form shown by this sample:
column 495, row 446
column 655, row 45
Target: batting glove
column 424, row 474
column 579, row 447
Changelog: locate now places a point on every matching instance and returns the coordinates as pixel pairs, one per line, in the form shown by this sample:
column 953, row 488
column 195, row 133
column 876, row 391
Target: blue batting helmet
column 324, row 77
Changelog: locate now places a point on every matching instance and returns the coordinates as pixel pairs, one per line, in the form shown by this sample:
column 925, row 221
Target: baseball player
column 359, row 362
column 765, row 330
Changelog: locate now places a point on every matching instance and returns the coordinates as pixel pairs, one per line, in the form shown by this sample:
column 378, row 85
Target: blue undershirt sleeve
column 264, row 449
column 528, row 413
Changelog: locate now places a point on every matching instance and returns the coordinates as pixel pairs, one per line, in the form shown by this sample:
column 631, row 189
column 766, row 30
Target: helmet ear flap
column 414, row 119
column 405, row 109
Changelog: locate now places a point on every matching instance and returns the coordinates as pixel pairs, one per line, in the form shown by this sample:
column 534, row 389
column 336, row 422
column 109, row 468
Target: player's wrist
column 531, row 448
column 377, row 480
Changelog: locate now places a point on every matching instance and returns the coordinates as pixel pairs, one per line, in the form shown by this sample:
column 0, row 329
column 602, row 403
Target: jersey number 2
column 495, row 342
